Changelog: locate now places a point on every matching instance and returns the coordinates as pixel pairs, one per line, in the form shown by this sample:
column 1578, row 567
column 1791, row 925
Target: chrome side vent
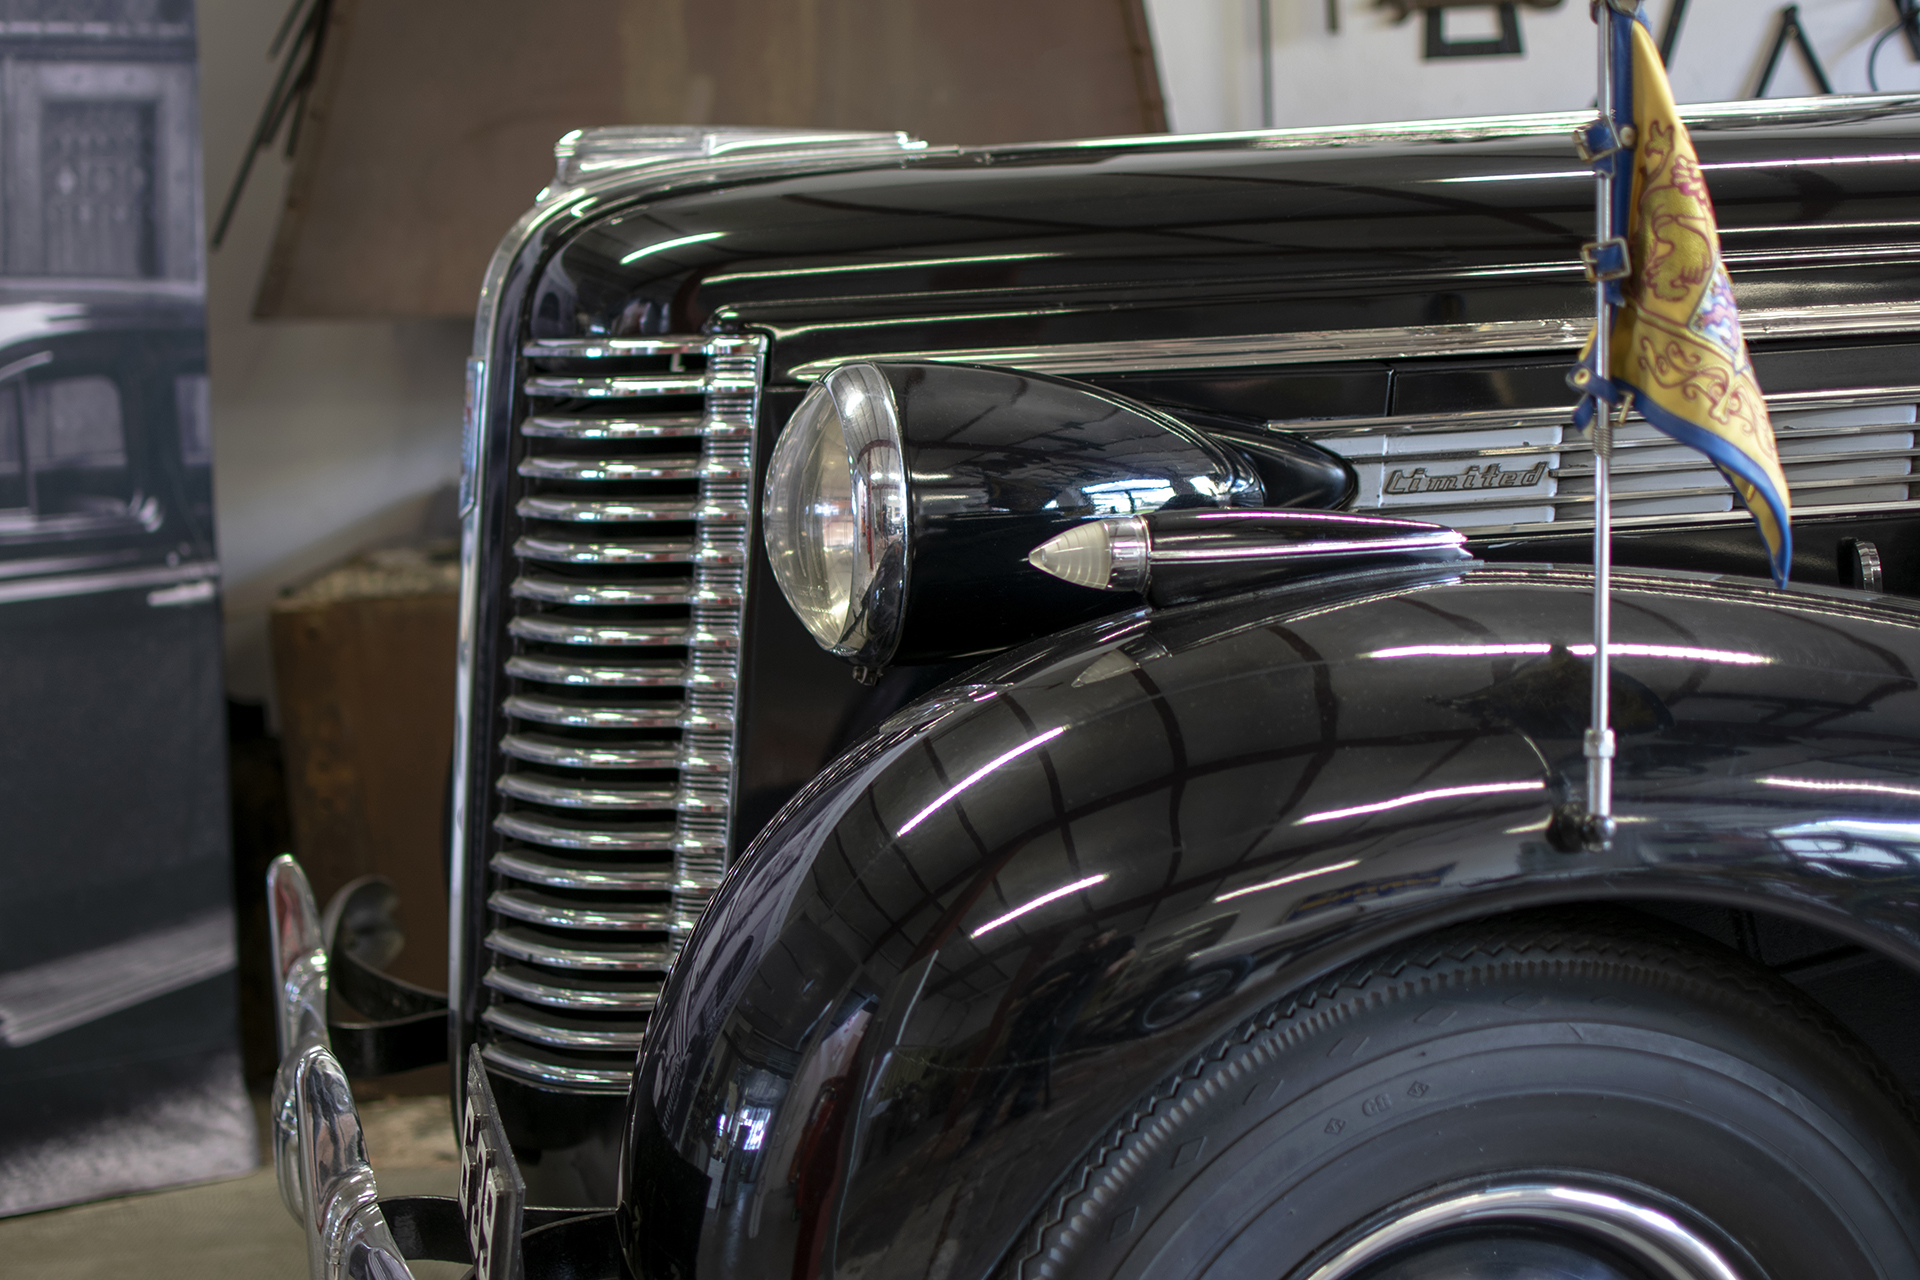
column 1531, row 472
column 616, row 769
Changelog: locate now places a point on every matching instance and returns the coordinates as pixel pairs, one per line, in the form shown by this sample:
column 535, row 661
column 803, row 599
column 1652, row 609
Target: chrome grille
column 1530, row 471
column 616, row 766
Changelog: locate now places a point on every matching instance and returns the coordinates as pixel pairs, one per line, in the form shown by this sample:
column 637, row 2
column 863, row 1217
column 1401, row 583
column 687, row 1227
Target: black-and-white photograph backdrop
column 119, row 1059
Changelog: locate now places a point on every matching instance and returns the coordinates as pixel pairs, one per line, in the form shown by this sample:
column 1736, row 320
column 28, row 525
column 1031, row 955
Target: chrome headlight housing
column 924, row 512
column 835, row 515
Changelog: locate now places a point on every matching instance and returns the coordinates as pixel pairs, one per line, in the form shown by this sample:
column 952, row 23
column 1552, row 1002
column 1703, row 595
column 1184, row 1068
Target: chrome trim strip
column 652, row 591
column 592, row 715
column 1703, row 519
column 607, row 470
column 661, row 428
column 535, row 910
column 1395, row 343
column 1419, row 423
column 587, row 154
column 607, row 957
column 1706, row 117
column 611, row 348
column 630, row 551
column 569, row 754
column 606, row 510
column 553, row 1075
column 609, row 999
column 551, row 386
column 611, row 795
column 1807, row 470
column 560, row 1037
column 1411, row 510
column 522, row 866
column 557, row 833
column 637, row 675
column 624, row 634
column 86, row 584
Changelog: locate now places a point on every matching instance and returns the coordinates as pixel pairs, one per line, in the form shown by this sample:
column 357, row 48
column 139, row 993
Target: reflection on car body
column 1171, row 890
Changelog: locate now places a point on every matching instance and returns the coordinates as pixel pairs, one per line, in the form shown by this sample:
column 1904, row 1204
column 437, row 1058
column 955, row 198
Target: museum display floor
column 235, row 1229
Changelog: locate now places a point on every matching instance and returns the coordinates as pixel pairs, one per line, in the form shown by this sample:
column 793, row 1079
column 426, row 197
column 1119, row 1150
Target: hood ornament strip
column 1173, row 557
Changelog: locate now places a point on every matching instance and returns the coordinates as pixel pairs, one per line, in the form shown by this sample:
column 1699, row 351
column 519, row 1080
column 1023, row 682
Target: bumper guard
column 320, row 1155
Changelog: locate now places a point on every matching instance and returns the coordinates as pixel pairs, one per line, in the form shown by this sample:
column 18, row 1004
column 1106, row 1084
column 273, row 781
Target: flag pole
column 1597, row 828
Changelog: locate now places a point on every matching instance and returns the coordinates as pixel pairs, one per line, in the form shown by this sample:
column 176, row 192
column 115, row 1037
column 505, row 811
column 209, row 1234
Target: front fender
column 951, row 964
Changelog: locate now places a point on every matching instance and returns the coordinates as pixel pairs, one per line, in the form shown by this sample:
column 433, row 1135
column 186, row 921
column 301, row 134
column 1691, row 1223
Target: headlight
column 920, row 512
column 835, row 514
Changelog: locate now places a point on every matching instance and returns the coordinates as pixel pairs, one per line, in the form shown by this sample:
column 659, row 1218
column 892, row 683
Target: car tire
column 1533, row 1096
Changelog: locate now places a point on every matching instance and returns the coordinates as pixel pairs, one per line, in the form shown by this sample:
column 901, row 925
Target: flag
column 1676, row 341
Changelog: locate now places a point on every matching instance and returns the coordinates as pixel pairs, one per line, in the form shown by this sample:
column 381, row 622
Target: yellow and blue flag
column 1676, row 341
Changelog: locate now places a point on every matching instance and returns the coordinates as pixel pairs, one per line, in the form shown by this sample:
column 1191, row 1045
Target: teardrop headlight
column 835, row 513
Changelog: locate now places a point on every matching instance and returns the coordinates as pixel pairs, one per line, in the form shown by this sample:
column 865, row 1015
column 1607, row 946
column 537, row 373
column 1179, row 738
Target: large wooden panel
column 432, row 122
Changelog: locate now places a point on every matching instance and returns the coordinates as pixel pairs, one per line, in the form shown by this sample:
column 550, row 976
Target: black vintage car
column 1070, row 653
column 116, row 926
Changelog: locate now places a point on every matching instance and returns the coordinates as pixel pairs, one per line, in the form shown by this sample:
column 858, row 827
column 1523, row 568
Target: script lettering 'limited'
column 1474, row 478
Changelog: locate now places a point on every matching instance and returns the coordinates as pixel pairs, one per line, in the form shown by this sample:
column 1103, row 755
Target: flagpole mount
column 1590, row 825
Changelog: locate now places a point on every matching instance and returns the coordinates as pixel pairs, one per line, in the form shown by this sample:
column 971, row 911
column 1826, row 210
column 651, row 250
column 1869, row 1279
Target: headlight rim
column 868, row 418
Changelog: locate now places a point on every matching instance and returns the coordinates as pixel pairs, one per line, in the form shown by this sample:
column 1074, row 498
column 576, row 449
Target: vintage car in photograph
column 109, row 642
column 1030, row 687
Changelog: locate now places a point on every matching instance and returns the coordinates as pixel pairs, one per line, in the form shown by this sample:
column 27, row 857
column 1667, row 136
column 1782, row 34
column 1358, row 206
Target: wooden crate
column 364, row 664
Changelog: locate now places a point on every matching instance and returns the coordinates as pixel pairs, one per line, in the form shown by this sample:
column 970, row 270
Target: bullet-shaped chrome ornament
column 1175, row 556
column 1108, row 555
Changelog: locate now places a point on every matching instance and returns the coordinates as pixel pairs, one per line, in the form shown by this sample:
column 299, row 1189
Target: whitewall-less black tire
column 1526, row 1097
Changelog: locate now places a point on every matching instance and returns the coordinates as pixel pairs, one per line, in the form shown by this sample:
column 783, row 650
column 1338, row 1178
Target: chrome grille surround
column 615, row 769
column 1529, row 472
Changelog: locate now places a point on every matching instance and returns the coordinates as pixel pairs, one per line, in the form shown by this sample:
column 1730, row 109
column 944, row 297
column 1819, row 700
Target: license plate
column 493, row 1197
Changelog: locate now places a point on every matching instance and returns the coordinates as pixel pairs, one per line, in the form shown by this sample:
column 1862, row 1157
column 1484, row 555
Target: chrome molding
column 1703, row 117
column 1529, row 472
column 621, row 661
column 1496, row 337
column 588, row 155
column 319, row 1153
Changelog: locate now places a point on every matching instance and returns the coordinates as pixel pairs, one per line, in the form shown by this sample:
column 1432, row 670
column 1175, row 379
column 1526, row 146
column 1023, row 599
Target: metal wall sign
column 119, row 1059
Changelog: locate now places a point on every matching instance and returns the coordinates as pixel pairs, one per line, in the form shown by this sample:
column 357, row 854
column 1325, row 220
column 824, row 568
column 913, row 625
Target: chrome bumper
column 319, row 1154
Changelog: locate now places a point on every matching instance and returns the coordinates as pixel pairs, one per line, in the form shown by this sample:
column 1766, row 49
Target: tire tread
column 1597, row 944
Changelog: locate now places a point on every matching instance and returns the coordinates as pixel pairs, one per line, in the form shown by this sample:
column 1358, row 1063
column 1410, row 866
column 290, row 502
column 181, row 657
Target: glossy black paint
column 1163, row 239
column 1189, row 238
column 1000, row 461
column 966, row 947
column 1202, row 555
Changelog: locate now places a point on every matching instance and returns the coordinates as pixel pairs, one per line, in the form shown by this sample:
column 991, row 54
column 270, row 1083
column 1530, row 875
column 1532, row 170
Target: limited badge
column 493, row 1197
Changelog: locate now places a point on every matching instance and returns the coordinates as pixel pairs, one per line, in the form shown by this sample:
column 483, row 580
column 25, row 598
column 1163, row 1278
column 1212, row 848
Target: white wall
column 329, row 437
column 1373, row 69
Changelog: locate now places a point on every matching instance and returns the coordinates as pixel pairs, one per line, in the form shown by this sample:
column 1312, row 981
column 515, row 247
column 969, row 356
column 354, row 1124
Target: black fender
column 955, row 959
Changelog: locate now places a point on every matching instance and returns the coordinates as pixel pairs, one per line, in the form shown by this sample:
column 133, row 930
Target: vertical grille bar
column 721, row 559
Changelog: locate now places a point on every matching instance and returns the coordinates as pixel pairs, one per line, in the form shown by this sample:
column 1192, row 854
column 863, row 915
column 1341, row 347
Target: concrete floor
column 236, row 1229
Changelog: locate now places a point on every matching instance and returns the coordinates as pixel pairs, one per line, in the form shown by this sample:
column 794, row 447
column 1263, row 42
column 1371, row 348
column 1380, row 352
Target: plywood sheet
column 432, row 122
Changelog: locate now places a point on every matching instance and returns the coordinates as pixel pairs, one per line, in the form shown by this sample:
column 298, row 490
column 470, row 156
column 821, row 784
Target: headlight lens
column 835, row 514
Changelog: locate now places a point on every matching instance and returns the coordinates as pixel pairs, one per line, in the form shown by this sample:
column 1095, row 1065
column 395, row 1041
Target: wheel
column 1531, row 1098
